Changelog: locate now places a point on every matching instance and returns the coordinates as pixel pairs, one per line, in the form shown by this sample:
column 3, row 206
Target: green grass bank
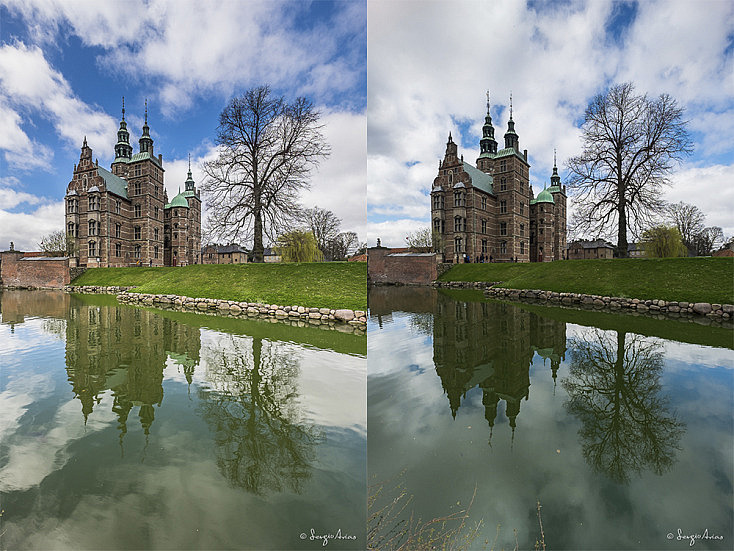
column 317, row 284
column 676, row 279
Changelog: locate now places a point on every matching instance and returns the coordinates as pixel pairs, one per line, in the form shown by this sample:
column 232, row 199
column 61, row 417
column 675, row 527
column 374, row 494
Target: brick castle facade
column 489, row 211
column 122, row 216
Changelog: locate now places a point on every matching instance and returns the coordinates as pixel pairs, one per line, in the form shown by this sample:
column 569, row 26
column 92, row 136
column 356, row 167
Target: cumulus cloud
column 28, row 83
column 26, row 229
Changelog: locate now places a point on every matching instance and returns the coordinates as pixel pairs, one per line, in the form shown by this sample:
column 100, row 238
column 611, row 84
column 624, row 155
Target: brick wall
column 383, row 266
column 16, row 271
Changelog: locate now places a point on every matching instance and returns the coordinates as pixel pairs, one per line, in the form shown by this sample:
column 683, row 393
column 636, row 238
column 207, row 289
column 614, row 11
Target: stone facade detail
column 489, row 212
column 122, row 216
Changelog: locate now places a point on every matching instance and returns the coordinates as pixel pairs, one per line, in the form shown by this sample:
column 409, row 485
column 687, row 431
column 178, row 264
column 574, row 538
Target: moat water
column 131, row 428
column 621, row 427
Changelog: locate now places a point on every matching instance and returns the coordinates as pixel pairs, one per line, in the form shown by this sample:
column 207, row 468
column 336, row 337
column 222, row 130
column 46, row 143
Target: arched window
column 92, row 248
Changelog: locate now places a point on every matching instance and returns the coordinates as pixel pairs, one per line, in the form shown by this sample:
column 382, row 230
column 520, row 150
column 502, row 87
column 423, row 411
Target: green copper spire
column 146, row 142
column 487, row 145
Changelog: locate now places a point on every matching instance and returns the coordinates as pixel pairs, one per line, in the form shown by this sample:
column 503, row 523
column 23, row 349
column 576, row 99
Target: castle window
column 522, row 247
column 93, row 202
column 484, row 203
column 117, row 207
column 175, row 213
column 118, row 232
column 155, row 210
column 438, row 202
column 503, row 165
column 541, row 208
column 137, row 187
column 137, row 251
column 503, row 247
column 459, row 223
column 138, row 171
column 458, row 245
column 437, row 226
column 451, row 177
column 484, row 246
column 540, row 231
column 458, row 199
column 93, row 227
column 503, row 184
column 503, row 228
column 522, row 208
column 92, row 248
column 71, row 205
column 155, row 234
column 175, row 235
column 155, row 251
column 484, row 226
column 137, row 211
column 503, row 207
column 118, row 249
column 137, row 232
column 155, row 190
column 70, row 229
column 522, row 229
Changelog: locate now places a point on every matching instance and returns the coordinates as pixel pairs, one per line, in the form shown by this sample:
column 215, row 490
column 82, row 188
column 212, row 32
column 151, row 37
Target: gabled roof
column 143, row 156
column 230, row 249
column 114, row 184
column 596, row 244
column 479, row 179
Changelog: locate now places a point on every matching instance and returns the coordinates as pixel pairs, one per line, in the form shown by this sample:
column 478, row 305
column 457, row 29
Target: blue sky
column 430, row 64
column 65, row 65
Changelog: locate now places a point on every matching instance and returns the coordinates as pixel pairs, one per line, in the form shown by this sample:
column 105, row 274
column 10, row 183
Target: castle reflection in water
column 489, row 345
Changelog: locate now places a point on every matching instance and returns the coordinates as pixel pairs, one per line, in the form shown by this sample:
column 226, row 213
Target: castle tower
column 511, row 138
column 558, row 193
column 123, row 149
column 487, row 145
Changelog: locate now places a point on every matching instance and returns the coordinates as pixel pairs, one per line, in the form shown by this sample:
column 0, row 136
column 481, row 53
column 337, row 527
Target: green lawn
column 678, row 279
column 318, row 284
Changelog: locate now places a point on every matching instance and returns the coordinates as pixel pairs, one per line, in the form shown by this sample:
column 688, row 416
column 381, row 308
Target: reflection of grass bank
column 674, row 279
column 318, row 284
column 670, row 329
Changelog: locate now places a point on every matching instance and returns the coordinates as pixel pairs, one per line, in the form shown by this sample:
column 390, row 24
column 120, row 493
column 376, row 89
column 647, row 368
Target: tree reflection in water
column 252, row 408
column 614, row 390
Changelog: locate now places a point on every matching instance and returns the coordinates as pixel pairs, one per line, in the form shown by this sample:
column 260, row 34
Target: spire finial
column 123, row 107
column 554, row 157
column 510, row 105
column 146, row 110
column 488, row 101
column 450, row 135
column 189, row 162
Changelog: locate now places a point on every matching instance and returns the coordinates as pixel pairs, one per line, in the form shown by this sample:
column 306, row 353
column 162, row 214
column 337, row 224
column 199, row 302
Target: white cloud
column 246, row 43
column 27, row 229
column 340, row 182
column 710, row 189
column 29, row 83
column 393, row 232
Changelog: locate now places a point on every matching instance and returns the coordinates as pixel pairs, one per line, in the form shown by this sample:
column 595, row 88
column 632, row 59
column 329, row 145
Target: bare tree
column 689, row 220
column 338, row 248
column 708, row 240
column 58, row 243
column 420, row 238
column 630, row 144
column 324, row 225
column 267, row 148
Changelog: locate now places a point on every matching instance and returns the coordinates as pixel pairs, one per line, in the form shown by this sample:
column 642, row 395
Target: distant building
column 122, row 217
column 583, row 250
column 269, row 255
column 489, row 211
column 635, row 250
column 223, row 254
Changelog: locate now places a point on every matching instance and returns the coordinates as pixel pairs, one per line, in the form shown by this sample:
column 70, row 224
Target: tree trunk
column 258, row 251
column 621, row 231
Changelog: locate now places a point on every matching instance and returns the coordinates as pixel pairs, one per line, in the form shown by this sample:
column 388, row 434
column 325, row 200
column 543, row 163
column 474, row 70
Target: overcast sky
column 64, row 66
column 430, row 64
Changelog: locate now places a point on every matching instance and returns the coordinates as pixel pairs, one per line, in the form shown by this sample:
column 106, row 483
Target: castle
column 122, row 217
column 489, row 212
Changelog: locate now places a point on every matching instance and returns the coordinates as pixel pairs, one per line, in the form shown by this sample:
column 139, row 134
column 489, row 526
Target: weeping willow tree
column 298, row 246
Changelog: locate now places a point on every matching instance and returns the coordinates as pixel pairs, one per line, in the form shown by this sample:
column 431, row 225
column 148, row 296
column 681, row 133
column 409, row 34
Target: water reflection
column 614, row 389
column 253, row 411
column 491, row 345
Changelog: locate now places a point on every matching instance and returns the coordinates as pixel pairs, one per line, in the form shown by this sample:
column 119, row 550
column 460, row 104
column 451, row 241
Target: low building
column 635, row 250
column 584, row 250
column 270, row 255
column 223, row 254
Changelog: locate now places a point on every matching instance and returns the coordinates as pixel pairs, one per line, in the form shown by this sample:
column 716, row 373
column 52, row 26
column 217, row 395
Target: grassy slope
column 679, row 279
column 323, row 284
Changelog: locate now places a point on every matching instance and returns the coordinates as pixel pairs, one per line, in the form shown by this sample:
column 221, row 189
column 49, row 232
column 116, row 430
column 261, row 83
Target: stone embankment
column 342, row 319
column 701, row 310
